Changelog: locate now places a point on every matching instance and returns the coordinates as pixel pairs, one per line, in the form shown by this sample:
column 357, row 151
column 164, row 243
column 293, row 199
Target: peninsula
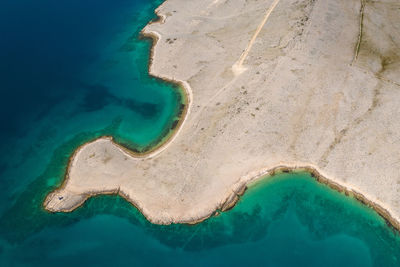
column 270, row 84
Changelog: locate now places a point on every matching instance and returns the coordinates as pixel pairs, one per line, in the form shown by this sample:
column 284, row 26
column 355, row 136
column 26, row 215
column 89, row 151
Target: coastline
column 241, row 188
column 184, row 89
column 161, row 145
column 238, row 188
column 184, row 109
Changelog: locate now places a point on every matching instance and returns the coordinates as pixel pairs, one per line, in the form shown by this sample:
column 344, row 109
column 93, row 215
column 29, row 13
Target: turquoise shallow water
column 75, row 70
column 286, row 220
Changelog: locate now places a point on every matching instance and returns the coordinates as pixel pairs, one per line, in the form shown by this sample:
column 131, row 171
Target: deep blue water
column 71, row 71
column 73, row 67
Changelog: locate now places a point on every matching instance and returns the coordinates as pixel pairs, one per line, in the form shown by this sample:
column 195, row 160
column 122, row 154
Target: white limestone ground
column 310, row 91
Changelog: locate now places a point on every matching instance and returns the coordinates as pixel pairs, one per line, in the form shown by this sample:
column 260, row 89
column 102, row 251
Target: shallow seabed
column 74, row 70
column 284, row 220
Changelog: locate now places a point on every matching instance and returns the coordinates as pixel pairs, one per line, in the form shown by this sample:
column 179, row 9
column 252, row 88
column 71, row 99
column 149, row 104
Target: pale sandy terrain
column 270, row 83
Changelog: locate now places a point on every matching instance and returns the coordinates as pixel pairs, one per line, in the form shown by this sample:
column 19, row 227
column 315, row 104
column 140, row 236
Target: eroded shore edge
column 238, row 189
column 185, row 91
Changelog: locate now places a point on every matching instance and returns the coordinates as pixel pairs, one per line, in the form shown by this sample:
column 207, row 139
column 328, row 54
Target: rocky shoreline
column 291, row 107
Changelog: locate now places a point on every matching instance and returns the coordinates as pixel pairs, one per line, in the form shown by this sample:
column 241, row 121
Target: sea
column 75, row 70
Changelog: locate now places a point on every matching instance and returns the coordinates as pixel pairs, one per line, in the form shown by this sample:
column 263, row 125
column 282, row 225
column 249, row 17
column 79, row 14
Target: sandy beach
column 270, row 86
